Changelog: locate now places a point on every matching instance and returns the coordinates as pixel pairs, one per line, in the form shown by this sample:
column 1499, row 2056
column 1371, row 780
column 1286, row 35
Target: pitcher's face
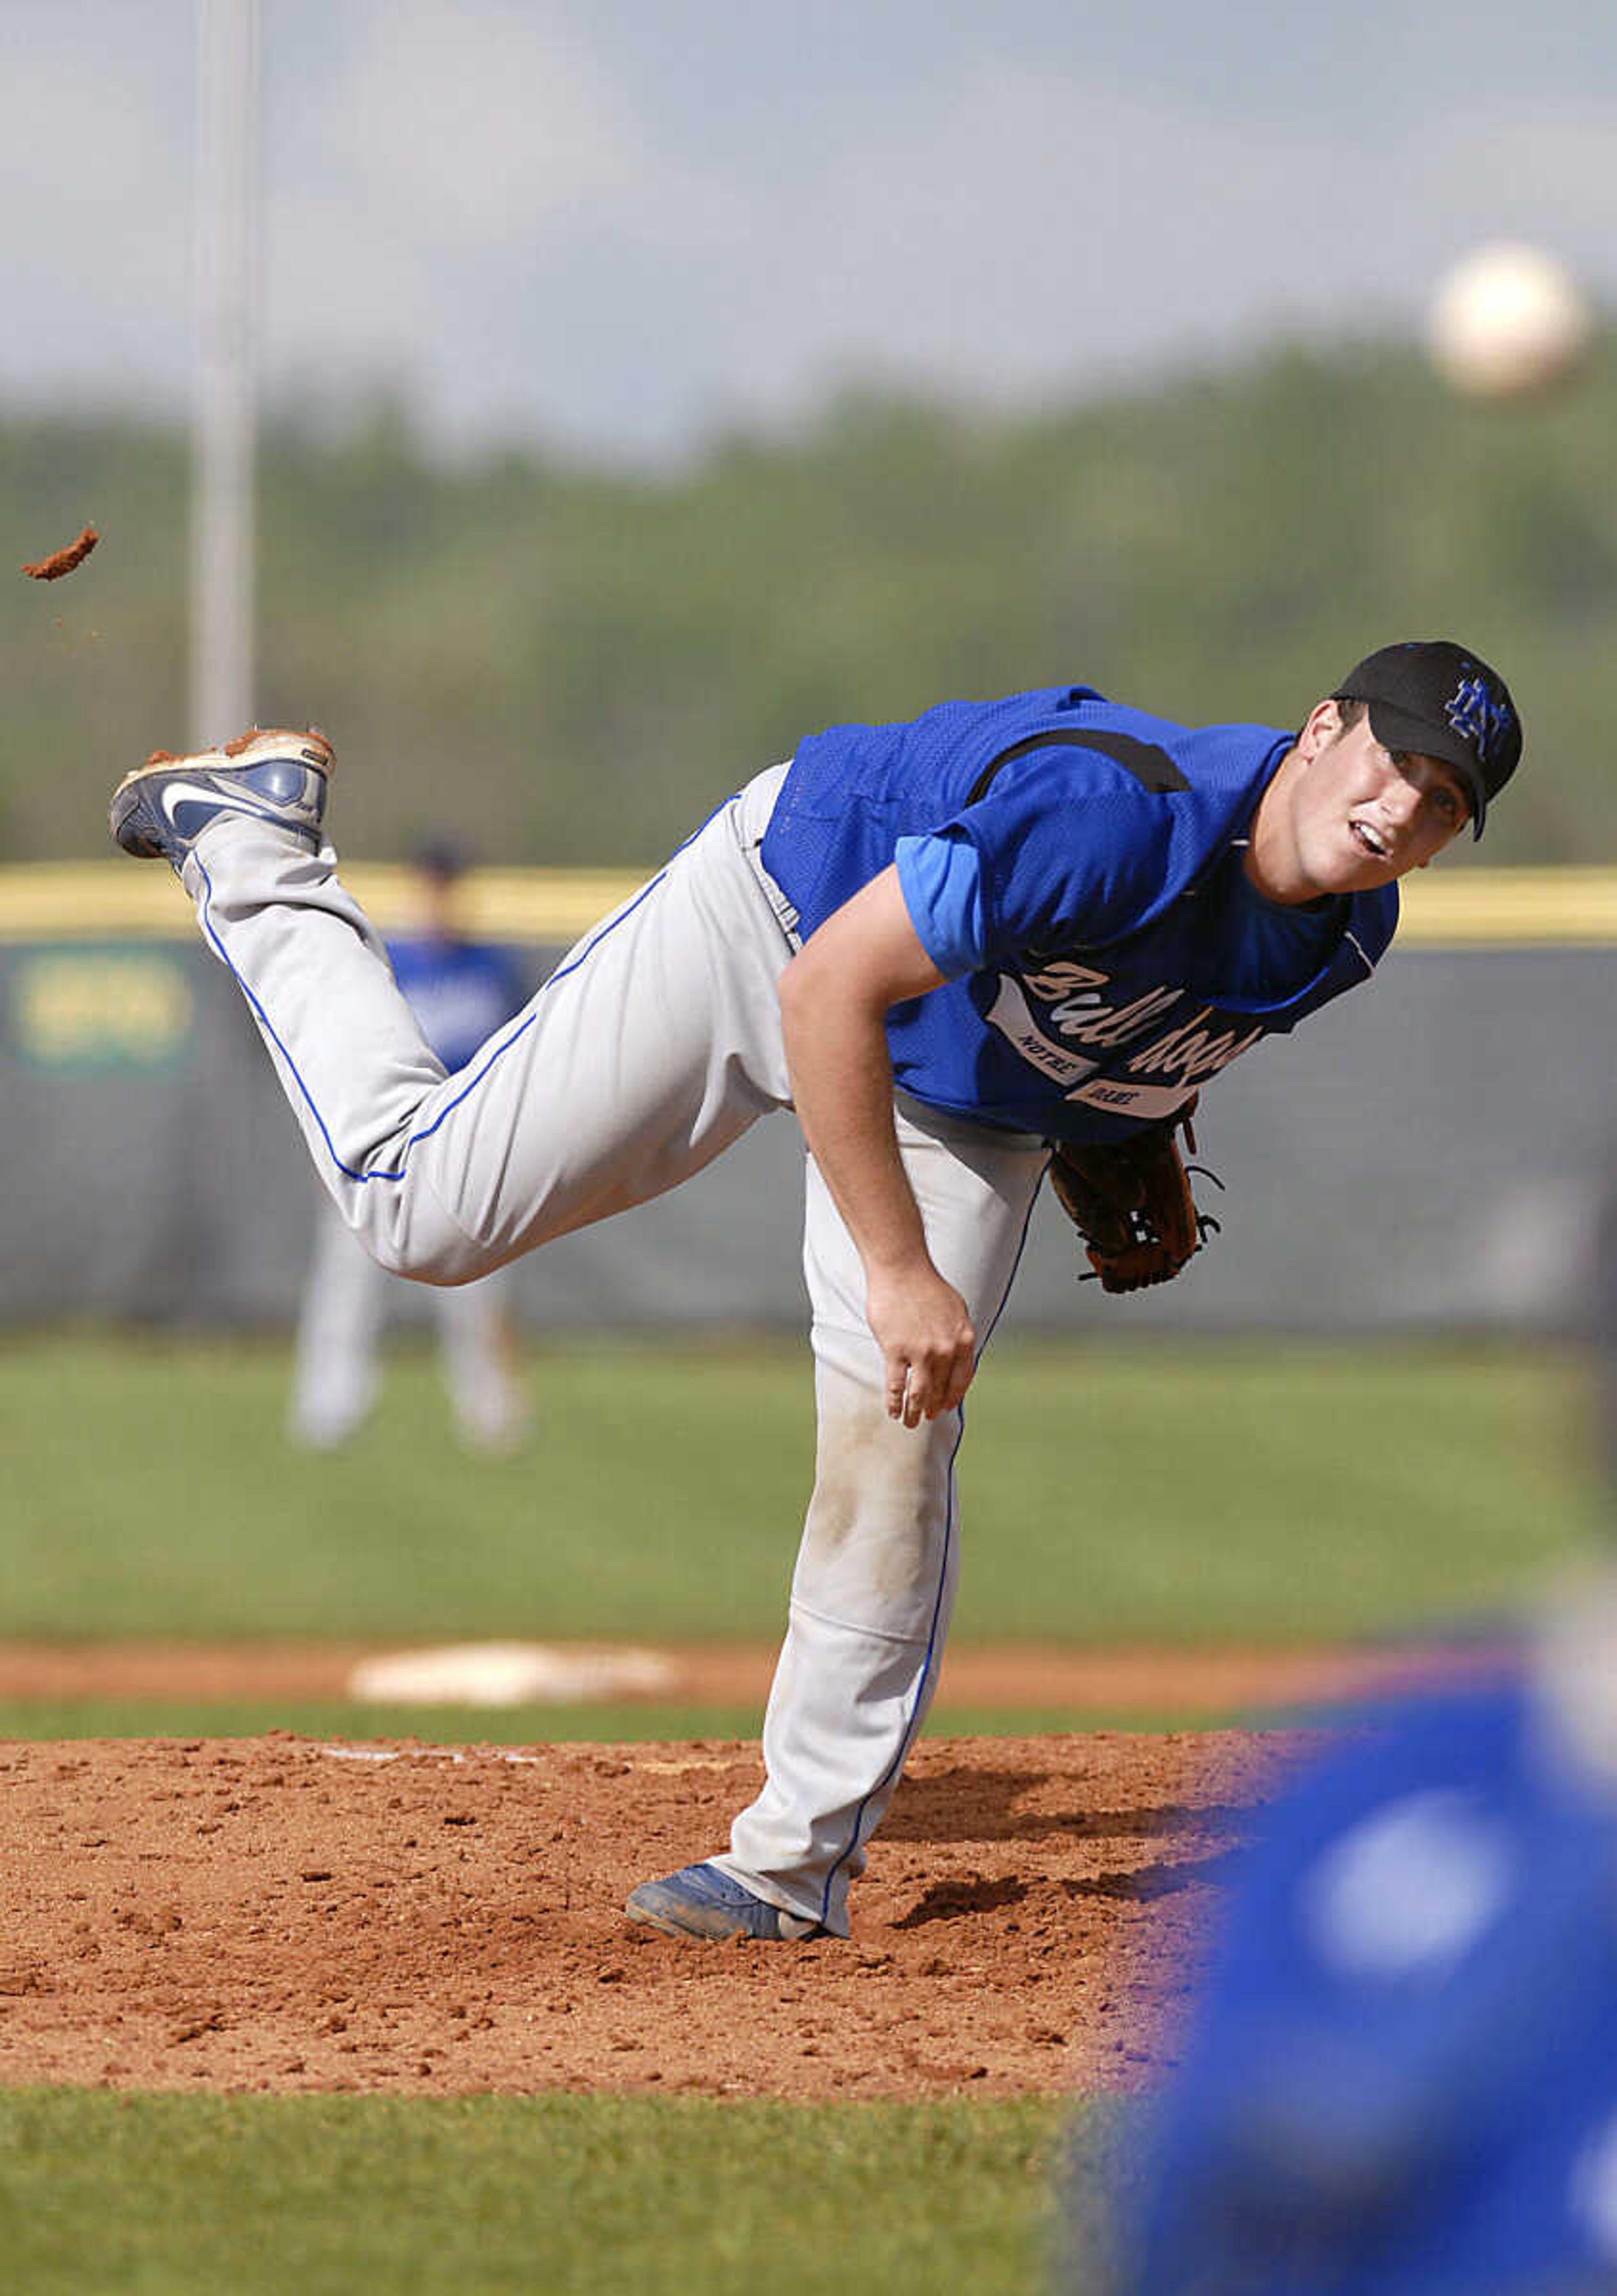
column 1350, row 815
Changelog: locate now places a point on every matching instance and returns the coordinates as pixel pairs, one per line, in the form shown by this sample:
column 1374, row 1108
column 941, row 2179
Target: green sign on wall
column 98, row 1008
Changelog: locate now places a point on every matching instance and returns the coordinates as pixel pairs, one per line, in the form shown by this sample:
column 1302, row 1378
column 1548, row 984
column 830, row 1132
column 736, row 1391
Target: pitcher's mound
column 274, row 1914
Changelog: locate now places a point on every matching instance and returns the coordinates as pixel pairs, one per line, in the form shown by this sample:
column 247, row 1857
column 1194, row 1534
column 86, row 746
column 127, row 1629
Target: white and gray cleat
column 159, row 811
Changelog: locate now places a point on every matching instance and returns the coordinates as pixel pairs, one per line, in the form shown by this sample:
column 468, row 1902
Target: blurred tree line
column 573, row 665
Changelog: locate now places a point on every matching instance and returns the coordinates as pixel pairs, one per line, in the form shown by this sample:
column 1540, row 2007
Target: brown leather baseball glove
column 1130, row 1202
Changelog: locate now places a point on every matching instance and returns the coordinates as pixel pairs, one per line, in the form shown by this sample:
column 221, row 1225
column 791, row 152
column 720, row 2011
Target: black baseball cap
column 1441, row 701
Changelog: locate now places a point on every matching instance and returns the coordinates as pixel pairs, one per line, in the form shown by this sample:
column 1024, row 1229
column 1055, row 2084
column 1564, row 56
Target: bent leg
column 877, row 1570
column 653, row 1045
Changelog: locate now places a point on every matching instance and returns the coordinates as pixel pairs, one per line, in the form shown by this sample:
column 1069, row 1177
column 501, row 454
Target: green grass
column 1181, row 1492
column 1173, row 1492
column 187, row 2196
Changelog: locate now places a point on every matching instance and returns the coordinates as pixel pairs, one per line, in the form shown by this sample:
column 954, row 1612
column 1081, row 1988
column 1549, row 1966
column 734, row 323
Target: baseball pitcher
column 962, row 947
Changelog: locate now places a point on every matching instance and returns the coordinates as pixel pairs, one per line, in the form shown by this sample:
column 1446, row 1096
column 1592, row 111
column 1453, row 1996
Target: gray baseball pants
column 654, row 1045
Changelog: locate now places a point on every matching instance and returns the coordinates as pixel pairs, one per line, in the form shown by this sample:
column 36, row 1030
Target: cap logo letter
column 1475, row 712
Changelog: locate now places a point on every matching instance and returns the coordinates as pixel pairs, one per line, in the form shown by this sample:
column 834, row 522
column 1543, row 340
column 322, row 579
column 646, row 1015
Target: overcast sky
column 616, row 225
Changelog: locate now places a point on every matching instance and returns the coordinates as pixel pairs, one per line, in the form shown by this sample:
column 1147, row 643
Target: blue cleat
column 159, row 811
column 699, row 1901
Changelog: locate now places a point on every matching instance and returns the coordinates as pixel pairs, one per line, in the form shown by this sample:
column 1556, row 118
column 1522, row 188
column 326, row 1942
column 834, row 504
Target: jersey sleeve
column 1074, row 850
column 941, row 878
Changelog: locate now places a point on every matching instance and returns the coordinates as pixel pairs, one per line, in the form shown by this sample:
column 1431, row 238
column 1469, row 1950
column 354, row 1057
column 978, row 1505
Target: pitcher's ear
column 1322, row 724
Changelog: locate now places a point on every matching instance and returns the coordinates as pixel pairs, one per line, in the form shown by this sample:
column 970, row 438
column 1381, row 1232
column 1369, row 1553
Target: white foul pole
column 223, row 524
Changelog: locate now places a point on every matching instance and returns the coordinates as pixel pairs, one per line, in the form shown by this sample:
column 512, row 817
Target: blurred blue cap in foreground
column 1404, row 2075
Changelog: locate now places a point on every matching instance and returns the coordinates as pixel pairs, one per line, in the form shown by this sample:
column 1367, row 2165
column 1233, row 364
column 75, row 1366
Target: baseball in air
column 1508, row 321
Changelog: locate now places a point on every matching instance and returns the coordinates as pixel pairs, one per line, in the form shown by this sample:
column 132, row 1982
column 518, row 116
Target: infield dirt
column 274, row 1914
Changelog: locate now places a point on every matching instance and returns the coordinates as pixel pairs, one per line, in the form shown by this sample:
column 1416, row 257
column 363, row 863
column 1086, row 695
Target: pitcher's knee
column 409, row 1234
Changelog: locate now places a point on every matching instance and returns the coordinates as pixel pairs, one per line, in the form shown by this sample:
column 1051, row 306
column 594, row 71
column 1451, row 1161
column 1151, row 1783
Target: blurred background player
column 460, row 991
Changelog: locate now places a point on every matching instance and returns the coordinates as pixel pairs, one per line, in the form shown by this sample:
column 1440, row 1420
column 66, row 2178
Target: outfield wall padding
column 1425, row 1155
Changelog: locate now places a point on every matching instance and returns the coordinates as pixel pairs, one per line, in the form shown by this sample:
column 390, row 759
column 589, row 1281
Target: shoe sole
column 309, row 747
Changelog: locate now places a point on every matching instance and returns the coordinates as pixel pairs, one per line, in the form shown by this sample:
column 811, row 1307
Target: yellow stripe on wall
column 1489, row 908
column 119, row 900
column 112, row 900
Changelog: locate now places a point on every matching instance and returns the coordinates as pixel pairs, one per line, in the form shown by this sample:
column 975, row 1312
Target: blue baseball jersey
column 1075, row 868
column 460, row 992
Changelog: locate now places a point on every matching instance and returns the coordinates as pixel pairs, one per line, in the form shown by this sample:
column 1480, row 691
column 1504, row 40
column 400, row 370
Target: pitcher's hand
column 928, row 1345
